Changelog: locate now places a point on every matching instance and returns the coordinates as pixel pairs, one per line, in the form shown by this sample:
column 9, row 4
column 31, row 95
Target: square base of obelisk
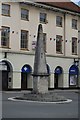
column 40, row 84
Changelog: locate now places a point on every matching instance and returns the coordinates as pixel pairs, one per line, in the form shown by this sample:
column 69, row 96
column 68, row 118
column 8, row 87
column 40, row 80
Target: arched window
column 73, row 75
column 26, row 77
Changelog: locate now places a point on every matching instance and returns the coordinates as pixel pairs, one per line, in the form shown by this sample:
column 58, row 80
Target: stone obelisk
column 40, row 74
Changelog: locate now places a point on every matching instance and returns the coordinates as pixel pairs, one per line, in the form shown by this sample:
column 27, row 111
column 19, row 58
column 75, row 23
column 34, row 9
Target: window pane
column 74, row 45
column 5, row 9
column 74, row 24
column 24, row 14
column 24, row 39
column 43, row 17
column 5, row 36
column 59, row 21
column 59, row 44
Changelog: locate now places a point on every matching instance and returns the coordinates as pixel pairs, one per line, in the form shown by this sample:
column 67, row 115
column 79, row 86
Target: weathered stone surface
column 40, row 74
column 40, row 84
column 40, row 57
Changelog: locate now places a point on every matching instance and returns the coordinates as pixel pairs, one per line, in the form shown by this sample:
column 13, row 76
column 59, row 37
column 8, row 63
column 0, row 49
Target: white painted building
column 18, row 32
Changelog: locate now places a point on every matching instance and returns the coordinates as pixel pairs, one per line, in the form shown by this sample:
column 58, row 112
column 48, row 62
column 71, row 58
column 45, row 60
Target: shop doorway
column 25, row 76
column 6, row 75
column 58, row 77
column 48, row 71
column 5, row 80
column 56, row 81
column 73, row 76
column 24, row 81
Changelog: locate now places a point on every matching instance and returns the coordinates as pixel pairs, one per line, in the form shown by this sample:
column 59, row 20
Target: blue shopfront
column 25, row 76
column 73, row 76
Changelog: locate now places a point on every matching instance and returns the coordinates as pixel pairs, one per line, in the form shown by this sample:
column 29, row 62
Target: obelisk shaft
column 40, row 75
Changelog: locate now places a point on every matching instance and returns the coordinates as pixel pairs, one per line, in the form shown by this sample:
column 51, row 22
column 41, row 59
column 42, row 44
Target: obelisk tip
column 40, row 27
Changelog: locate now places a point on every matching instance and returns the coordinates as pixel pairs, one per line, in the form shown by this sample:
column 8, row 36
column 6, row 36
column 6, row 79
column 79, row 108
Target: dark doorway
column 24, row 81
column 5, row 74
column 56, row 81
column 58, row 77
column 25, row 76
column 4, row 80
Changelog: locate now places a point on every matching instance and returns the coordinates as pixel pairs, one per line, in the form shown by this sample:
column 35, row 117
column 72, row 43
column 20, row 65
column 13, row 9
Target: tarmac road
column 14, row 109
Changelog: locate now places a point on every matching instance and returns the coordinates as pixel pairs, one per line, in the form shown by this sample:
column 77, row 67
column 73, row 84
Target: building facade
column 18, row 32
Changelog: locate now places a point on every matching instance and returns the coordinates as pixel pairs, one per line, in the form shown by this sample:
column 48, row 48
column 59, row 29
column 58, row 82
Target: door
column 23, row 81
column 56, row 81
column 4, row 80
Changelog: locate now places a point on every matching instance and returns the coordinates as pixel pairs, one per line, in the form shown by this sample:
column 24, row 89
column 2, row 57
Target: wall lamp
column 76, row 61
column 5, row 54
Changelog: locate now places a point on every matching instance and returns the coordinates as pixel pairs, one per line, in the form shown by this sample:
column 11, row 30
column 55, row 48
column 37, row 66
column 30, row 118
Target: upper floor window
column 58, row 44
column 6, row 9
column 43, row 17
column 5, row 35
column 59, row 21
column 24, row 39
column 74, row 24
column 74, row 45
column 24, row 14
column 44, row 39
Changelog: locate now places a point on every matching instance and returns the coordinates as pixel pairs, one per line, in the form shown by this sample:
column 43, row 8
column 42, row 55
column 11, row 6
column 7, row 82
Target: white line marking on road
column 60, row 102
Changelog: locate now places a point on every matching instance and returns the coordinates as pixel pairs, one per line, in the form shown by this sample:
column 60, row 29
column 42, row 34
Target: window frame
column 8, row 10
column 44, row 18
column 7, row 39
column 25, row 43
column 74, row 24
column 59, row 21
column 26, row 18
column 59, row 44
column 74, row 46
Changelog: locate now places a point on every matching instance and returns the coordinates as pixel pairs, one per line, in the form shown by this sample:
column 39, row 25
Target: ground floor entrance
column 56, row 81
column 73, row 76
column 5, row 80
column 5, row 75
column 25, row 76
column 24, row 81
column 58, row 77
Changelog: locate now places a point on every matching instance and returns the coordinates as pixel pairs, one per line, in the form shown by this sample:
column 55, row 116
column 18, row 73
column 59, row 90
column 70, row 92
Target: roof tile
column 63, row 5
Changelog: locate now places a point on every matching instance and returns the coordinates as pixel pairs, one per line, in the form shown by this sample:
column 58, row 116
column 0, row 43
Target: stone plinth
column 40, row 84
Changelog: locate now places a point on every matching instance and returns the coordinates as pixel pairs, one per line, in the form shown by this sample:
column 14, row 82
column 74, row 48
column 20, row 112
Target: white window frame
column 74, row 46
column 5, row 9
column 24, row 16
column 59, row 21
column 43, row 17
column 24, row 40
column 74, row 24
column 5, row 36
column 58, row 44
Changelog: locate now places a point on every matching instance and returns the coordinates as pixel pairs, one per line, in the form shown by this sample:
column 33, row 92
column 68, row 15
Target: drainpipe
column 64, row 34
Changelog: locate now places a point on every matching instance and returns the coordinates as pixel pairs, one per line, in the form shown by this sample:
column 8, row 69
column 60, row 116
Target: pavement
column 27, row 91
